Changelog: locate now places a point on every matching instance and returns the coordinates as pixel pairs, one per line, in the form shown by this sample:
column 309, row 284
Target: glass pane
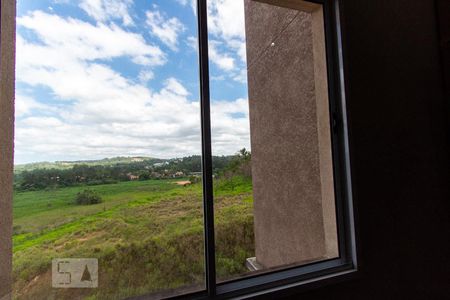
column 108, row 196
column 273, row 184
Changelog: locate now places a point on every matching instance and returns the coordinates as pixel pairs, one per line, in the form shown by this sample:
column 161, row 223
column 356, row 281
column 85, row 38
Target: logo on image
column 75, row 273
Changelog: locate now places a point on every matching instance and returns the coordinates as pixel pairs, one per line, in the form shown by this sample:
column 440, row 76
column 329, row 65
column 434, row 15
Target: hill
column 64, row 165
column 39, row 176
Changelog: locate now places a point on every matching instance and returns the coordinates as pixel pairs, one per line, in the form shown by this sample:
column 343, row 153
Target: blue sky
column 104, row 78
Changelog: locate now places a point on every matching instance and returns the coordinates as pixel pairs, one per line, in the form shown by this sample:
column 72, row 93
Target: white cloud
column 192, row 42
column 161, row 124
column 222, row 60
column 173, row 85
column 230, row 127
column 192, row 3
column 226, row 25
column 241, row 76
column 227, row 47
column 239, row 47
column 25, row 105
column 104, row 10
column 96, row 111
column 226, row 18
column 146, row 75
column 166, row 29
column 227, row 50
column 71, row 39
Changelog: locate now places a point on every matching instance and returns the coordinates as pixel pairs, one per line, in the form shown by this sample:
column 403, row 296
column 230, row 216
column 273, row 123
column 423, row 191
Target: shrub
column 194, row 179
column 88, row 197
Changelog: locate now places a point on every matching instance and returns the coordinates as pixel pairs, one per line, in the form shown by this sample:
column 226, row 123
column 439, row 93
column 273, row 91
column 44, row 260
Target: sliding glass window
column 179, row 148
column 108, row 193
column 274, row 199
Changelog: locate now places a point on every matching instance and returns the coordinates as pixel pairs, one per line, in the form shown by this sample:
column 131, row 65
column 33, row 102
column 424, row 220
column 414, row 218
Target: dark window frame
column 304, row 277
column 292, row 279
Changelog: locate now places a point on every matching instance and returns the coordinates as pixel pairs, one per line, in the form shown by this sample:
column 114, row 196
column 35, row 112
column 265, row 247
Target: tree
column 88, row 197
column 245, row 154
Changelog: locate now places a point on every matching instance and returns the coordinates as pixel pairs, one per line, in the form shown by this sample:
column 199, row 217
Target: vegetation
column 50, row 176
column 147, row 235
column 88, row 197
column 69, row 164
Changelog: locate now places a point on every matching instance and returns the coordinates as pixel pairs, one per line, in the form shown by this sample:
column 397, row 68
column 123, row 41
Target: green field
column 147, row 235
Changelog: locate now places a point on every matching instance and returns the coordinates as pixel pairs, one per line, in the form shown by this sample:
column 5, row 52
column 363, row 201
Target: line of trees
column 83, row 174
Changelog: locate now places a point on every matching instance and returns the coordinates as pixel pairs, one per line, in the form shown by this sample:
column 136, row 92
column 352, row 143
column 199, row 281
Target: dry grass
column 151, row 243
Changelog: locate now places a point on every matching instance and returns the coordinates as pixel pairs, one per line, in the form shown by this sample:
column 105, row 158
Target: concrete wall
column 290, row 135
column 7, row 49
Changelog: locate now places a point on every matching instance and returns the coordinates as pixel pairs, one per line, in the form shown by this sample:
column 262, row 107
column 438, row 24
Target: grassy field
column 147, row 235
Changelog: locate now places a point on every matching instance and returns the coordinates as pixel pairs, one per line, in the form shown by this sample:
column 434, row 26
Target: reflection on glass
column 108, row 193
column 274, row 194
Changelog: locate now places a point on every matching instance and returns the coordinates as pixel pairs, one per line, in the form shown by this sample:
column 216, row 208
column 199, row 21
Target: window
column 289, row 168
column 149, row 177
column 290, row 177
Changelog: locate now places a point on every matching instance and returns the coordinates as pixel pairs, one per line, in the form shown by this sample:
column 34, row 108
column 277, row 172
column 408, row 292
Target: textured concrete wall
column 7, row 49
column 290, row 135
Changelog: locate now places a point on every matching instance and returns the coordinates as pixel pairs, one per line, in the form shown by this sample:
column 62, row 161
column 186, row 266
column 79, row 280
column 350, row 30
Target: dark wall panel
column 398, row 118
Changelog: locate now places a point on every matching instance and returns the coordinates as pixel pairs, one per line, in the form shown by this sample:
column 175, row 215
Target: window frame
column 303, row 277
column 298, row 278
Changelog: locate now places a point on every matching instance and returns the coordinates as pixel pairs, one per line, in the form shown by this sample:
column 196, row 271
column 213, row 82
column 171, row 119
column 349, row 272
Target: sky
column 106, row 78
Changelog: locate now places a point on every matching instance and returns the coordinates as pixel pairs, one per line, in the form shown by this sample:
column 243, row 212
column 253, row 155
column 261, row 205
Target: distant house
column 55, row 178
column 132, row 177
column 156, row 175
column 80, row 178
column 179, row 174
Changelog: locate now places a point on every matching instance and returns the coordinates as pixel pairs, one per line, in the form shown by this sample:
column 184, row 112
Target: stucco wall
column 6, row 142
column 290, row 135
